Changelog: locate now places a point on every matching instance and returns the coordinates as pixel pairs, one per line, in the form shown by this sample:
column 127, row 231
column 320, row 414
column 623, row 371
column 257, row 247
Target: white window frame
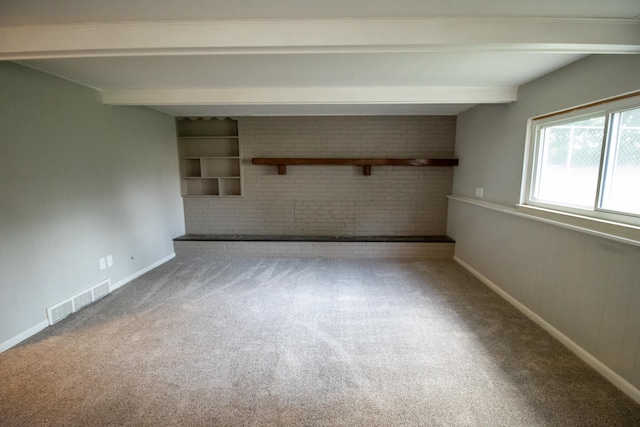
column 531, row 161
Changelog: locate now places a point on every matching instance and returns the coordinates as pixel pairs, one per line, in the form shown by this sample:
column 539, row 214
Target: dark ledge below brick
column 284, row 238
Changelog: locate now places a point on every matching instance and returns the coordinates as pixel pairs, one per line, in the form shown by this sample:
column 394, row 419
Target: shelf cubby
column 191, row 168
column 220, row 167
column 230, row 187
column 207, row 126
column 210, row 161
column 202, row 187
column 209, row 147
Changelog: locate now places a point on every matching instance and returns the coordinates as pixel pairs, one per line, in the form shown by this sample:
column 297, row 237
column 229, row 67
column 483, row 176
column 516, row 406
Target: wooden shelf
column 366, row 164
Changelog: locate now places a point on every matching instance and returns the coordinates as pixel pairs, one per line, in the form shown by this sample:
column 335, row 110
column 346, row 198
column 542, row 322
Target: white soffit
column 419, row 69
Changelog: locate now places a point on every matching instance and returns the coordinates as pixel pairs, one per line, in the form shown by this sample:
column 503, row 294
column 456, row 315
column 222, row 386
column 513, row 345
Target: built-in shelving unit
column 210, row 161
column 366, row 164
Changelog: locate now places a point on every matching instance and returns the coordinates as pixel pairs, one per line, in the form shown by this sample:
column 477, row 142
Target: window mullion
column 537, row 158
column 604, row 159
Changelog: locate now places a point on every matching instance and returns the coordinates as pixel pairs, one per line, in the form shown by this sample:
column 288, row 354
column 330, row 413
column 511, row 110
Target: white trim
column 139, row 273
column 592, row 361
column 42, row 325
column 23, row 336
column 629, row 229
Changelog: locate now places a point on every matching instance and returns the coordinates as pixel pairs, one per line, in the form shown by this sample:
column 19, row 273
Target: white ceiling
column 28, row 12
column 302, row 57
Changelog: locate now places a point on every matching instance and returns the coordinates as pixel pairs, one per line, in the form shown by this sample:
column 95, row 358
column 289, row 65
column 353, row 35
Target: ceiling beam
column 582, row 36
column 299, row 96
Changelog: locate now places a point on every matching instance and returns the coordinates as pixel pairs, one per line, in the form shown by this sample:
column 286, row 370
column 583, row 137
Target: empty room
column 329, row 213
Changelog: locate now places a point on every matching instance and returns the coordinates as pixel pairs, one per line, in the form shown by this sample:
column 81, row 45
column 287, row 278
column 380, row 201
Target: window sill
column 610, row 230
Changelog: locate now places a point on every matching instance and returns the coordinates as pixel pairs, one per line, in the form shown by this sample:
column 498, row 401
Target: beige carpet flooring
column 303, row 342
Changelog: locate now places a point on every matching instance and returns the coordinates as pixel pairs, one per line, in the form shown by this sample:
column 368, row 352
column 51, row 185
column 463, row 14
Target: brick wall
column 335, row 200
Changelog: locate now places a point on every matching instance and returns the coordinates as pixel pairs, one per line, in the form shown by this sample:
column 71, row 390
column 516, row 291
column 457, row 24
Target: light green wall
column 78, row 181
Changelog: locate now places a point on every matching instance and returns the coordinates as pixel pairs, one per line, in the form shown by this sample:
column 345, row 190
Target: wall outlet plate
column 110, row 261
column 103, row 263
column 479, row 192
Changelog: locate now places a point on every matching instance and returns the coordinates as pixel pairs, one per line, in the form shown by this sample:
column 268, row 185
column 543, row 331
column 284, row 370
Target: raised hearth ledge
column 433, row 247
column 289, row 238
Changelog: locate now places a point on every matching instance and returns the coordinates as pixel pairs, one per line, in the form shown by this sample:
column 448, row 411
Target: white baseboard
column 23, row 336
column 139, row 273
column 42, row 325
column 596, row 364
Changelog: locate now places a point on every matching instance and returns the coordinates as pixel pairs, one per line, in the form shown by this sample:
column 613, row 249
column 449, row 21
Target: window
column 587, row 161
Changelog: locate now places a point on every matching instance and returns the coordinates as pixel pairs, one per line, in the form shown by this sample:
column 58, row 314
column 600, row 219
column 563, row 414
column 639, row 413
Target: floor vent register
column 59, row 311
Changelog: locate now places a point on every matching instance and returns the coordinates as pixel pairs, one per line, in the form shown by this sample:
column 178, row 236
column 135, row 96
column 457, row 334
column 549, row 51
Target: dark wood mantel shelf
column 366, row 164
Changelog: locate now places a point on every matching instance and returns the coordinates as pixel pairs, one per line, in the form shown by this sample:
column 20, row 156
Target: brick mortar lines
column 335, row 200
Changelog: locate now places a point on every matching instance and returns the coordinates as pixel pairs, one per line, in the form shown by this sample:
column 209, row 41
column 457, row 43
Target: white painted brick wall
column 335, row 200
column 316, row 249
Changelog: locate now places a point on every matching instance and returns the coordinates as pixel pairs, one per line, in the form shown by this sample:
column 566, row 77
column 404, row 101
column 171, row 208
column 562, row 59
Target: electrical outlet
column 109, row 260
column 103, row 263
column 479, row 192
